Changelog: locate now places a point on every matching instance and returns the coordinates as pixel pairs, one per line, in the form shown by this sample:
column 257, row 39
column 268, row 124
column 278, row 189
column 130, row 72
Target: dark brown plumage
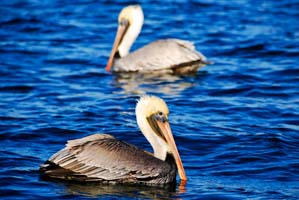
column 102, row 158
column 119, row 162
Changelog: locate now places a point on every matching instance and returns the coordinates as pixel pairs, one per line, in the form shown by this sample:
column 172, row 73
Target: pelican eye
column 161, row 116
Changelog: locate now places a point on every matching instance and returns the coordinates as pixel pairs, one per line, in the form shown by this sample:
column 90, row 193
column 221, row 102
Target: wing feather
column 160, row 55
column 102, row 157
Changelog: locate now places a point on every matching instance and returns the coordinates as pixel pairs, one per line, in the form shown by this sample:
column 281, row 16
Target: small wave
column 17, row 88
column 18, row 21
column 68, row 61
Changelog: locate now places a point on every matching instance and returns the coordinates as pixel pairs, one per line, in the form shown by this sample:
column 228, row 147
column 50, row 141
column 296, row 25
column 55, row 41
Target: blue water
column 236, row 122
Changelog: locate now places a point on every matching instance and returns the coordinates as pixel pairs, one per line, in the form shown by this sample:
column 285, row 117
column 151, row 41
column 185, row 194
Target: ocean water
column 236, row 122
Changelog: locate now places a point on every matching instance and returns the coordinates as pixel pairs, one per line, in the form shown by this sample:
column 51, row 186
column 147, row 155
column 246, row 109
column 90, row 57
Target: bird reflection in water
column 171, row 191
column 139, row 84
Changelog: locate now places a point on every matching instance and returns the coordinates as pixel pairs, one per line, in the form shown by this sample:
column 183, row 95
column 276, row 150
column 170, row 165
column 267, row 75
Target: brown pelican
column 168, row 55
column 103, row 158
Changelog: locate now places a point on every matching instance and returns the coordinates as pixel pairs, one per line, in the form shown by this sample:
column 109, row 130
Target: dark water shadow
column 95, row 189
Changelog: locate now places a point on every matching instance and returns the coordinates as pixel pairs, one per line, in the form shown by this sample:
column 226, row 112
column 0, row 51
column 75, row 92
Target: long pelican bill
column 167, row 133
column 121, row 30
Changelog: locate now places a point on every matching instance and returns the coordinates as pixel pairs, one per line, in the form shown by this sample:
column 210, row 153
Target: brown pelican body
column 103, row 158
column 168, row 55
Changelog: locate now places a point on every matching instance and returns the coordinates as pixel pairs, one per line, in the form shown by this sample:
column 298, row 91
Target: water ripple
column 235, row 122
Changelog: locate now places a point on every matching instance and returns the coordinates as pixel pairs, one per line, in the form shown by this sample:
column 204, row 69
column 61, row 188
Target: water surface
column 235, row 122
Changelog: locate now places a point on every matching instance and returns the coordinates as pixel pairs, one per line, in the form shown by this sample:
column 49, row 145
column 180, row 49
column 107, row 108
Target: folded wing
column 167, row 54
column 101, row 157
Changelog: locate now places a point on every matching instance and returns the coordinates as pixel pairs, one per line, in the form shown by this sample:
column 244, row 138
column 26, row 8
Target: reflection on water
column 236, row 125
column 132, row 191
column 136, row 83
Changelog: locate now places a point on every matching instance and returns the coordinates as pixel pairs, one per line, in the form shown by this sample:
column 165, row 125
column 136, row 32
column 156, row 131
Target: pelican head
column 152, row 118
column 130, row 21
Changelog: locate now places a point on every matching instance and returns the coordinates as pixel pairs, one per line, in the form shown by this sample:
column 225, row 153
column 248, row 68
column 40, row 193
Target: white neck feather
column 132, row 33
column 159, row 146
